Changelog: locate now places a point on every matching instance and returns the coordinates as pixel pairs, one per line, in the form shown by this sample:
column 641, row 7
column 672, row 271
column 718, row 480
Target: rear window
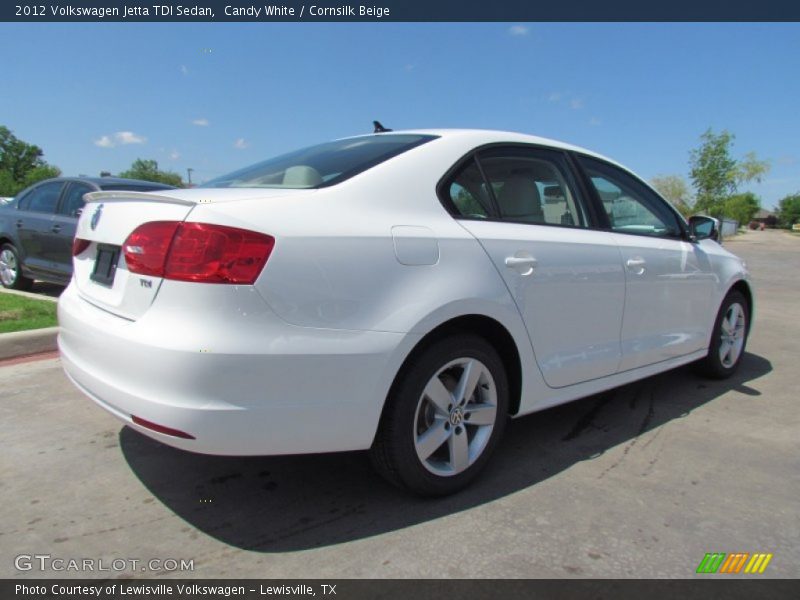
column 323, row 165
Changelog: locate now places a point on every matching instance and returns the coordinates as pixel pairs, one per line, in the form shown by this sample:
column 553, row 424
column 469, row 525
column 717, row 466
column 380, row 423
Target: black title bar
column 710, row 588
column 400, row 10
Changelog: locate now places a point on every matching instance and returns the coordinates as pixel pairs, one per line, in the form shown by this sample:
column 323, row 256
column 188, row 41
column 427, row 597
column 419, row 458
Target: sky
column 215, row 97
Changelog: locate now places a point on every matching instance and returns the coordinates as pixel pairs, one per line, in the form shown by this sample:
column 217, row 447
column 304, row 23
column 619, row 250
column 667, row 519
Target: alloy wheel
column 732, row 335
column 455, row 416
column 8, row 267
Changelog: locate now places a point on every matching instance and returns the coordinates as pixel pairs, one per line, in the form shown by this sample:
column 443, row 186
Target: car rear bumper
column 219, row 365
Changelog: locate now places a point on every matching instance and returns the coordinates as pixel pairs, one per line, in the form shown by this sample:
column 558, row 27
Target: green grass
column 18, row 313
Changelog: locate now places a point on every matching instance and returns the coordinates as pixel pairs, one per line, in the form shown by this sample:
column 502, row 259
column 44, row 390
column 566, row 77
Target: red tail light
column 197, row 252
column 146, row 248
column 79, row 245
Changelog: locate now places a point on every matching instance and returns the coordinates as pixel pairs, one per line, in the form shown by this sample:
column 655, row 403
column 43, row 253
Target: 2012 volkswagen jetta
column 403, row 292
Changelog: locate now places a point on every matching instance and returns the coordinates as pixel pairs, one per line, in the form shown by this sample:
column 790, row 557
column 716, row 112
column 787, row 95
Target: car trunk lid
column 100, row 272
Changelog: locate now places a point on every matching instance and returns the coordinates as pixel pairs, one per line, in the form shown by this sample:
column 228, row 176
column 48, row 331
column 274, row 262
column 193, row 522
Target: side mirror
column 703, row 228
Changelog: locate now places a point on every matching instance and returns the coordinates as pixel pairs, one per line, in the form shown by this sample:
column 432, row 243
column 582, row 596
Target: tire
column 728, row 338
column 428, row 448
column 11, row 275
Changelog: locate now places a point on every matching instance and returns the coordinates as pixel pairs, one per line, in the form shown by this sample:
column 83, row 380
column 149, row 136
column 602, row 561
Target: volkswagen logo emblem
column 98, row 212
column 456, row 416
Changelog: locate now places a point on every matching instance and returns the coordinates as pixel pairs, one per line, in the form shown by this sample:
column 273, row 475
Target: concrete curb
column 24, row 343
column 30, row 295
column 33, row 341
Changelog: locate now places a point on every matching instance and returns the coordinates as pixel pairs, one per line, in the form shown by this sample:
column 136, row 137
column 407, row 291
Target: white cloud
column 518, row 30
column 554, row 96
column 174, row 155
column 104, row 141
column 576, row 104
column 594, row 121
column 408, row 67
column 184, row 69
column 200, row 122
column 128, row 137
column 240, row 144
column 120, row 137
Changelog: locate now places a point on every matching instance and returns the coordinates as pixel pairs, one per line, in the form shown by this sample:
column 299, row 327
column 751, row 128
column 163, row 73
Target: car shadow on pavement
column 285, row 503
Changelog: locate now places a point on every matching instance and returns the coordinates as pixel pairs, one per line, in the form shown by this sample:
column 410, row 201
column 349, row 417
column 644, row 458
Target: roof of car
column 490, row 136
column 115, row 181
column 101, row 181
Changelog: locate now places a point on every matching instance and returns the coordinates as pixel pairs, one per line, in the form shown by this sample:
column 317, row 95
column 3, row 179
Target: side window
column 631, row 207
column 530, row 188
column 467, row 192
column 73, row 199
column 44, row 198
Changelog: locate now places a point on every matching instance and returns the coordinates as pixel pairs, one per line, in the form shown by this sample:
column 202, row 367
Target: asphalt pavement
column 639, row 482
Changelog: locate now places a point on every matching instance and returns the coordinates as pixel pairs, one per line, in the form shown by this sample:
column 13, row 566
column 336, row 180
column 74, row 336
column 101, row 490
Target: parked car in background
column 38, row 225
column 5, row 200
column 402, row 292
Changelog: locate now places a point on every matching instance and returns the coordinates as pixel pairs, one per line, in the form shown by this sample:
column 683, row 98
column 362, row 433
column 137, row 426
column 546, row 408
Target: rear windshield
column 323, row 165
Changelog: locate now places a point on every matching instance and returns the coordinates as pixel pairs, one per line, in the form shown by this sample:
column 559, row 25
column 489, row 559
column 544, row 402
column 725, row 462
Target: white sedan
column 403, row 292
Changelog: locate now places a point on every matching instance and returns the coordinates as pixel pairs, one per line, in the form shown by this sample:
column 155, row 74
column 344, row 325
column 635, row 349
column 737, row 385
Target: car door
column 669, row 280
column 524, row 207
column 34, row 223
column 62, row 230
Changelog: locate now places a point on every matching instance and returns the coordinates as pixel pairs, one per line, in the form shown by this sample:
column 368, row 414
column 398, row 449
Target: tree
column 789, row 210
column 741, row 207
column 147, row 170
column 716, row 175
column 675, row 189
column 21, row 164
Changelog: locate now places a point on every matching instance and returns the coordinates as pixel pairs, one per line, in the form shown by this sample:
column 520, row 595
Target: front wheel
column 444, row 418
column 11, row 271
column 728, row 338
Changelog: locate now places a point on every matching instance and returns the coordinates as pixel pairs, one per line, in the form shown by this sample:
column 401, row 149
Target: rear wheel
column 728, row 338
column 444, row 418
column 11, row 271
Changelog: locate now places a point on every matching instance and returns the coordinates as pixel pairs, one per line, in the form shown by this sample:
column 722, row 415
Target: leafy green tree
column 21, row 164
column 789, row 210
column 716, row 175
column 148, row 170
column 675, row 189
column 741, row 207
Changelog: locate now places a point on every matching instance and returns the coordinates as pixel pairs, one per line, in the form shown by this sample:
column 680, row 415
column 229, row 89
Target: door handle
column 56, row 228
column 19, row 224
column 520, row 261
column 636, row 265
column 523, row 264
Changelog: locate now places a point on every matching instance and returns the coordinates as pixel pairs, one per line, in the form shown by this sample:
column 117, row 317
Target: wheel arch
column 490, row 329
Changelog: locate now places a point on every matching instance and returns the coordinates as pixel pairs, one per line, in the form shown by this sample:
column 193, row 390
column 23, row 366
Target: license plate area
column 105, row 264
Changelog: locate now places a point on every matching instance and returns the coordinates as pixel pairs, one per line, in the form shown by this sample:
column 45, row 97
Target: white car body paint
column 302, row 360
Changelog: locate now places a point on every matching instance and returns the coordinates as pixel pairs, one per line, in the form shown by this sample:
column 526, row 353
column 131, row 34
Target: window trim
column 598, row 202
column 572, row 178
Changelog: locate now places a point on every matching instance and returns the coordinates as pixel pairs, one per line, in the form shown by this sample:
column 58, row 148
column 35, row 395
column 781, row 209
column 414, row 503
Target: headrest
column 301, row 176
column 519, row 197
